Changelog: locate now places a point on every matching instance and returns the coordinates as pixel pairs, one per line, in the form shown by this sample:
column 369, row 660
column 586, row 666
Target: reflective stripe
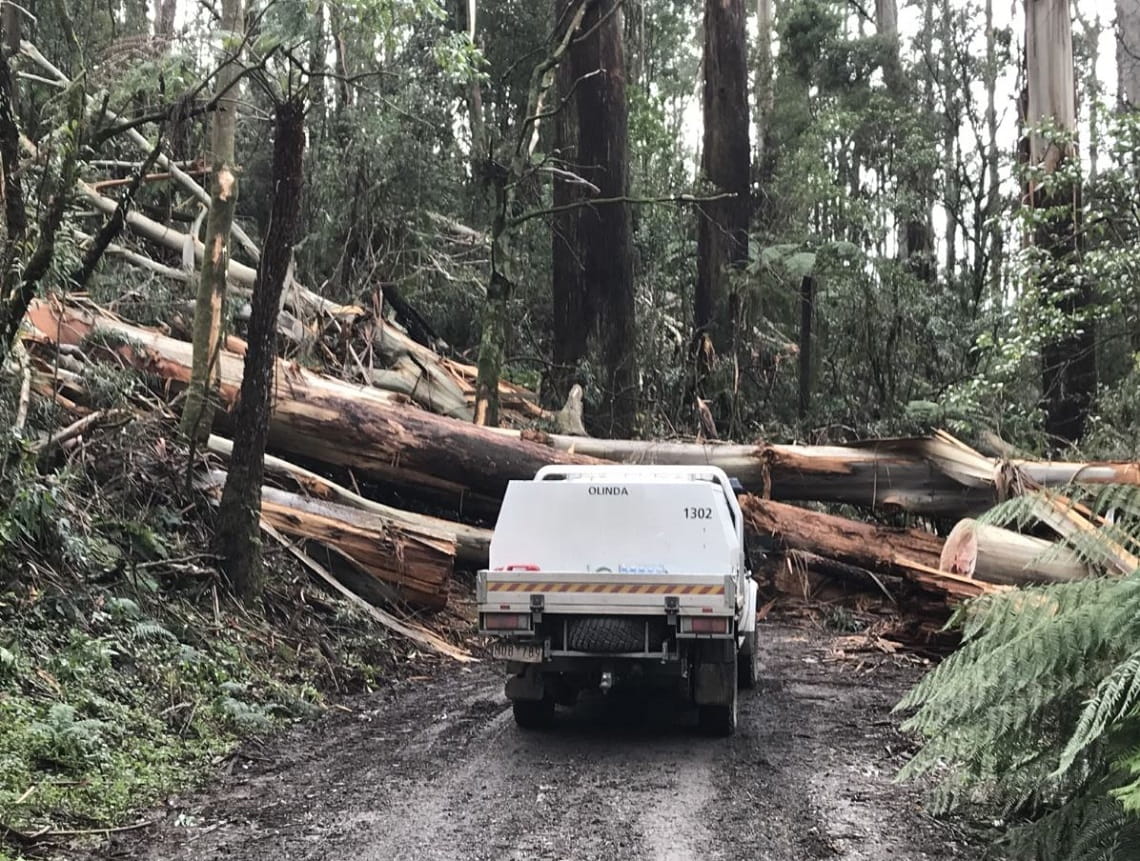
column 607, row 588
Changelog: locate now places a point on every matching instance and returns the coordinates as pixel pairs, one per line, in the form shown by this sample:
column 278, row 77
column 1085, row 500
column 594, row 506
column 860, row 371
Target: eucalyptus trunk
column 722, row 227
column 764, row 91
column 238, row 536
column 887, row 24
column 996, row 238
column 592, row 245
column 197, row 416
column 1128, row 53
column 1068, row 360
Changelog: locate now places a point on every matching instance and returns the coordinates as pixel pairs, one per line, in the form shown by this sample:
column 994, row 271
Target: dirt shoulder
column 436, row 769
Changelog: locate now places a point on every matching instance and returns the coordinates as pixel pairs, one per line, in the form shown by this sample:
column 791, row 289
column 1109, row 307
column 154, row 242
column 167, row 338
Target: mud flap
column 526, row 685
column 714, row 683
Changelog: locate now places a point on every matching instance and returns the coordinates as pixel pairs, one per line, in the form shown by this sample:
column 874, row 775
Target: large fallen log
column 935, row 475
column 1002, row 556
column 318, row 418
column 409, row 564
column 379, row 435
column 472, row 544
column 907, row 553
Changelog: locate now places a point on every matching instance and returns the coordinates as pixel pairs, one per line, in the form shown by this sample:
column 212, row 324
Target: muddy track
column 437, row 770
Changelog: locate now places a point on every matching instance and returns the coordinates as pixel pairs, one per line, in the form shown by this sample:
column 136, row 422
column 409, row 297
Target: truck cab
column 603, row 574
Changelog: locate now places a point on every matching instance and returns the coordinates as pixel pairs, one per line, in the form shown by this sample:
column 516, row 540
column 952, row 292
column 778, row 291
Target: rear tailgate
column 606, row 593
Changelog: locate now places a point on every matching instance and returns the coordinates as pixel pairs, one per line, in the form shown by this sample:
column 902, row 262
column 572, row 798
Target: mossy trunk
column 238, row 536
column 197, row 415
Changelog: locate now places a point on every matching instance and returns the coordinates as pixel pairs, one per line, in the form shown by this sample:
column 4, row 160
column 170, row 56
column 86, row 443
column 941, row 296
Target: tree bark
column 573, row 315
column 592, row 246
column 764, row 91
column 382, row 437
column 1068, row 362
column 1128, row 54
column 887, row 25
column 807, row 311
column 513, row 165
column 197, row 416
column 400, row 561
column 18, row 289
column 238, row 534
column 722, row 226
column 908, row 553
column 15, row 216
column 993, row 197
column 472, row 543
column 165, row 12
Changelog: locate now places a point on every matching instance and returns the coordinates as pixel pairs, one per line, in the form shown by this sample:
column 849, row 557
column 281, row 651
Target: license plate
column 528, row 654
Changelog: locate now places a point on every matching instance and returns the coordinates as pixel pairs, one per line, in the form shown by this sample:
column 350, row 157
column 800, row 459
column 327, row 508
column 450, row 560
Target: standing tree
column 722, row 227
column 592, row 251
column 763, row 86
column 238, row 517
column 1068, row 356
column 197, row 416
column 1128, row 53
column 510, row 166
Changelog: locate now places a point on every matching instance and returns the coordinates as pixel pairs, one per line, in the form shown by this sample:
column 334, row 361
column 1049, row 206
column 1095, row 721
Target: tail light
column 704, row 624
column 506, row 621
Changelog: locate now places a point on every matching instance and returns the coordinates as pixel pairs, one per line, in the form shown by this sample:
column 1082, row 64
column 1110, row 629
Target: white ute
column 599, row 574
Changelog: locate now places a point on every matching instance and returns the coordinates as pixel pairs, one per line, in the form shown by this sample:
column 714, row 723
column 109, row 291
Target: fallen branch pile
column 404, row 556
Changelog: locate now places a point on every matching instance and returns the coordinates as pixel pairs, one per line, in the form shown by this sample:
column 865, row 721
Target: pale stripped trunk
column 197, row 416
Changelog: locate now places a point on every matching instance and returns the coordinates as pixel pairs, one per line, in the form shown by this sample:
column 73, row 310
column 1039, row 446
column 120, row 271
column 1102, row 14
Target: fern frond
column 1117, row 694
column 146, row 632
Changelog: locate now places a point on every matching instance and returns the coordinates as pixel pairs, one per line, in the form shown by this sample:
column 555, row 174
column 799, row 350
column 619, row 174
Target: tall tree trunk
column 197, row 416
column 513, row 165
column 592, row 245
column 722, row 227
column 993, row 198
column 807, row 311
column 1068, row 367
column 238, row 537
column 1128, row 54
column 887, row 24
column 765, row 93
column 165, row 11
column 573, row 314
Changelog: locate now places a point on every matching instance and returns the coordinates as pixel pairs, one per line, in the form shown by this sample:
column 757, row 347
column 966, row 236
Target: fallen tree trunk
column 414, row 632
column 378, row 434
column 409, row 564
column 936, row 475
column 318, row 418
column 907, row 553
column 472, row 544
column 999, row 555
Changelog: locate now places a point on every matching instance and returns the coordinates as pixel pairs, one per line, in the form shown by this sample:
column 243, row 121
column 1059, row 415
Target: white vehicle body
column 601, row 572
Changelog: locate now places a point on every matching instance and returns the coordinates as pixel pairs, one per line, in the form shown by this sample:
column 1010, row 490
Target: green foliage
column 1038, row 712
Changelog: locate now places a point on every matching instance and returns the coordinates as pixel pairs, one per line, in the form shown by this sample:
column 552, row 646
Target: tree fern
column 1038, row 712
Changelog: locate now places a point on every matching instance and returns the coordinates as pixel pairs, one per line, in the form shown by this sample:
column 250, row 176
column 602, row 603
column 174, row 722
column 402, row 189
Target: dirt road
column 437, row 770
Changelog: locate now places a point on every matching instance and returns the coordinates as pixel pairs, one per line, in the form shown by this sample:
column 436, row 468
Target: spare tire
column 608, row 634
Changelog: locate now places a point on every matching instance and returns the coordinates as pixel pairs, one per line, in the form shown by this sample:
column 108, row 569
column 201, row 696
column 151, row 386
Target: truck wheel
column 534, row 714
column 748, row 662
column 606, row 634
